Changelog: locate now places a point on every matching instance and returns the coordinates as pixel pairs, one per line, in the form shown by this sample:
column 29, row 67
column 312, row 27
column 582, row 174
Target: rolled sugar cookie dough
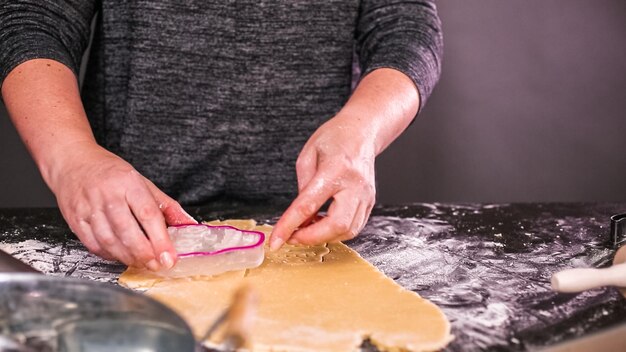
column 311, row 298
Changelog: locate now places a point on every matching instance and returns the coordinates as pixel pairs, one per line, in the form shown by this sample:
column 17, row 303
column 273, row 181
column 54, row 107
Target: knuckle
column 301, row 164
column 77, row 222
column 142, row 254
column 148, row 212
column 166, row 202
column 96, row 251
column 119, row 222
column 136, row 243
column 106, row 240
column 75, row 205
column 341, row 227
column 301, row 237
column 362, row 225
column 305, row 242
column 94, row 248
column 127, row 260
column 161, row 242
column 77, row 211
column 370, row 189
column 115, row 208
column 352, row 233
column 106, row 255
column 123, row 173
column 132, row 174
column 306, row 209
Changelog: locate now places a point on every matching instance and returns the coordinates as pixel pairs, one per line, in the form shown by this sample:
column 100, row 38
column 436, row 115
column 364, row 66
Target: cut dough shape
column 313, row 298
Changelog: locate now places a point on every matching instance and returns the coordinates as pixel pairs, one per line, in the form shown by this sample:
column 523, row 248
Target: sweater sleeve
column 403, row 35
column 44, row 29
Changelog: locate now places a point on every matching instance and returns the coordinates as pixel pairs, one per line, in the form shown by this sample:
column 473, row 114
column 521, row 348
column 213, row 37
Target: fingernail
column 153, row 265
column 166, row 260
column 276, row 243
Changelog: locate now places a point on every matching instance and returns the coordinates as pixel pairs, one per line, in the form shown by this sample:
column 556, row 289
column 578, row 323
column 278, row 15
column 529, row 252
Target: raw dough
column 321, row 298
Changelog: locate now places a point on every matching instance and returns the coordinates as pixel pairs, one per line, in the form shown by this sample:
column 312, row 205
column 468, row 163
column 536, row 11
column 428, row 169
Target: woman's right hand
column 115, row 211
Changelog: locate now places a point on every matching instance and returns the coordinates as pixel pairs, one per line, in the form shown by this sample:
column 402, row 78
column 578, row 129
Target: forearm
column 116, row 212
column 382, row 107
column 43, row 101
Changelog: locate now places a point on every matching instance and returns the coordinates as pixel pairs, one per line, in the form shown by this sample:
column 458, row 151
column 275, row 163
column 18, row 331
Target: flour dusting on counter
column 43, row 241
column 487, row 266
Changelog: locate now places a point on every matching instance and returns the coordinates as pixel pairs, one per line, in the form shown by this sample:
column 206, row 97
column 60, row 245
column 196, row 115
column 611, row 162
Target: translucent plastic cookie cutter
column 205, row 250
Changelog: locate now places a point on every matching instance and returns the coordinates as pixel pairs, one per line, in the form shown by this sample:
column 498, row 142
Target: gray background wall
column 531, row 106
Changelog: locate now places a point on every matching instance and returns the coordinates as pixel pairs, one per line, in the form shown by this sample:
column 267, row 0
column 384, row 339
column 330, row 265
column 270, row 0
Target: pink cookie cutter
column 207, row 250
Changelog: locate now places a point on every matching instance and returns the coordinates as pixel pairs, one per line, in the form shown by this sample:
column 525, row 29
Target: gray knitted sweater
column 213, row 99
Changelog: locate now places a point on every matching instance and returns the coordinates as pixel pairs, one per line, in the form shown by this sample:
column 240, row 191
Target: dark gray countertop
column 487, row 265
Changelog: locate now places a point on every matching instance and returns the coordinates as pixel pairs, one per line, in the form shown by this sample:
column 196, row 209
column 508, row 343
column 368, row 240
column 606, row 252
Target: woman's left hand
column 337, row 162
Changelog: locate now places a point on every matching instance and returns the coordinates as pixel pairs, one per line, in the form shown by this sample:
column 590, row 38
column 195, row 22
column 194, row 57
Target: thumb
column 173, row 212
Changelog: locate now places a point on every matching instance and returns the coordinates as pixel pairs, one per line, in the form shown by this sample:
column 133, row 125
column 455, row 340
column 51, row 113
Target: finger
column 306, row 166
column 306, row 205
column 103, row 233
column 313, row 219
column 145, row 209
column 78, row 222
column 127, row 230
column 358, row 223
column 172, row 211
column 83, row 231
column 338, row 223
column 367, row 213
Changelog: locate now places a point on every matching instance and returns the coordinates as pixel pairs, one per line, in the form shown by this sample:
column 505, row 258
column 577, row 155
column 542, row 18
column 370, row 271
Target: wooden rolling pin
column 233, row 326
column 582, row 279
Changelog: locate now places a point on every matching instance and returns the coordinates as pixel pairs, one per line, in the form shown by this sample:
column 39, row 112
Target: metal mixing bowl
column 43, row 313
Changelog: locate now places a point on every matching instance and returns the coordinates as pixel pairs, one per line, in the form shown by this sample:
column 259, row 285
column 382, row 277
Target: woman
column 208, row 99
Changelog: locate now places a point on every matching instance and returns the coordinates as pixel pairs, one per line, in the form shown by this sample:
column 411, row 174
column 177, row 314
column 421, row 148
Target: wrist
column 384, row 103
column 362, row 127
column 60, row 161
